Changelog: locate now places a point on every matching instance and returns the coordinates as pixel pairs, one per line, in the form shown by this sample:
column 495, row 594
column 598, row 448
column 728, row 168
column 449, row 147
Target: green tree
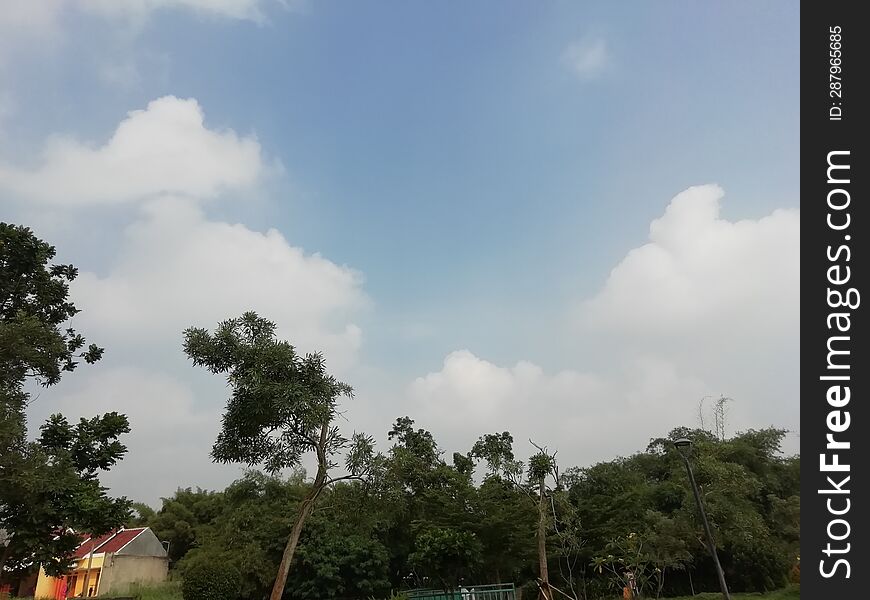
column 750, row 492
column 50, row 485
column 183, row 518
column 282, row 406
column 419, row 492
column 506, row 523
column 337, row 563
column 497, row 451
column 446, row 555
column 246, row 526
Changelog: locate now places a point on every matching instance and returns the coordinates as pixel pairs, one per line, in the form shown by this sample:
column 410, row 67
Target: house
column 109, row 564
column 14, row 584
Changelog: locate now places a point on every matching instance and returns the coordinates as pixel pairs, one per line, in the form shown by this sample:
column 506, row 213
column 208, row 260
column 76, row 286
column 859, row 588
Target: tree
column 446, row 555
column 246, row 527
column 542, row 465
column 51, row 485
column 505, row 524
column 183, row 518
column 282, row 406
column 497, row 451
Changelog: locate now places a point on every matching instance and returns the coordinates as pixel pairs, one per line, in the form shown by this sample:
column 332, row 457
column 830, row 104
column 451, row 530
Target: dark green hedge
column 210, row 581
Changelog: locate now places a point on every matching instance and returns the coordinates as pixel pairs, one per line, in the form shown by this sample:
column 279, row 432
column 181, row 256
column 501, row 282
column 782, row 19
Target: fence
column 493, row 591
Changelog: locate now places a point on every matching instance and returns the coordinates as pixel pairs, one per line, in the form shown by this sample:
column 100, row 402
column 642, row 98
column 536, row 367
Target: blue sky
column 483, row 167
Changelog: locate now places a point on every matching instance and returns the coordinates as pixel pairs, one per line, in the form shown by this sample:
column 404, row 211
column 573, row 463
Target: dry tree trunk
column 542, row 543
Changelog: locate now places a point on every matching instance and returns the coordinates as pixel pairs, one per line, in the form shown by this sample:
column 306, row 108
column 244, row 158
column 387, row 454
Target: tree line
column 429, row 522
column 381, row 521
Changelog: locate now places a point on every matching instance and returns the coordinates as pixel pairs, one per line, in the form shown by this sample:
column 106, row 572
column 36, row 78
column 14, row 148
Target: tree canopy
column 282, row 406
column 49, row 488
column 426, row 522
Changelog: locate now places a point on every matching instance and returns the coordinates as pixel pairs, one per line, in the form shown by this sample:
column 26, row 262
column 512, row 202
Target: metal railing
column 492, row 591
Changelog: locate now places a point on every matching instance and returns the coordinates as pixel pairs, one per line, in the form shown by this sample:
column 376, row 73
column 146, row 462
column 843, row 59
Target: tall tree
column 50, row 485
column 282, row 407
column 497, row 451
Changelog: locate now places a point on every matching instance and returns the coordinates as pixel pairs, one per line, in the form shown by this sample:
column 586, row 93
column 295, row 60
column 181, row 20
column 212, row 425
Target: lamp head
column 684, row 446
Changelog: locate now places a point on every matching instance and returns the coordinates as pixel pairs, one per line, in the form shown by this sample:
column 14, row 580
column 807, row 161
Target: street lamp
column 684, row 446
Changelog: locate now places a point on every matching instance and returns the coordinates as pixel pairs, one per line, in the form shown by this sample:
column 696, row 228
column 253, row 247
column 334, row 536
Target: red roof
column 121, row 539
column 111, row 542
column 85, row 547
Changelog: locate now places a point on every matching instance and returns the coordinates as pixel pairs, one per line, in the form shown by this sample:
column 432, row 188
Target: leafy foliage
column 279, row 399
column 446, row 555
column 50, row 485
column 424, row 522
column 282, row 406
column 210, row 581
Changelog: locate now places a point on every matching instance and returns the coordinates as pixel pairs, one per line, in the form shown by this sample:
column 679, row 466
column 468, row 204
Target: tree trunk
column 3, row 556
column 546, row 594
column 305, row 510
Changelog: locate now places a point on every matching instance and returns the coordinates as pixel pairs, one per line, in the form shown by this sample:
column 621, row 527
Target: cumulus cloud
column 586, row 416
column 164, row 149
column 170, row 267
column 586, row 58
column 175, row 268
column 171, row 430
column 707, row 307
column 701, row 271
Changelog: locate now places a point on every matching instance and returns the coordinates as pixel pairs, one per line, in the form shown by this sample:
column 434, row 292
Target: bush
column 210, row 581
column 528, row 591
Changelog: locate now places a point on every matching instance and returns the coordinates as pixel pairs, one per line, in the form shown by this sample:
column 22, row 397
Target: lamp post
column 684, row 446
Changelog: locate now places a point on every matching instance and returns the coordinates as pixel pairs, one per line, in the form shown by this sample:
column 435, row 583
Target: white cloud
column 172, row 267
column 26, row 17
column 32, row 18
column 701, row 272
column 164, row 149
column 587, row 58
column 586, row 416
column 707, row 307
column 171, row 430
column 139, row 9
column 23, row 21
column 175, row 268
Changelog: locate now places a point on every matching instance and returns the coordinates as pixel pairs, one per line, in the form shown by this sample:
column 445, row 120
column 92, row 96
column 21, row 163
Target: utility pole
column 686, row 444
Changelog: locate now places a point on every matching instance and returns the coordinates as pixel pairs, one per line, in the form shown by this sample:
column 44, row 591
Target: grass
column 168, row 590
column 792, row 592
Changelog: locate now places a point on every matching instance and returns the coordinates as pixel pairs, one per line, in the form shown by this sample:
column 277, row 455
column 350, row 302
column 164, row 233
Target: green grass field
column 792, row 592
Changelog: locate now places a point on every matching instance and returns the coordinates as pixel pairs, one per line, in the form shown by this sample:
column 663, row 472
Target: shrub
column 528, row 591
column 210, row 581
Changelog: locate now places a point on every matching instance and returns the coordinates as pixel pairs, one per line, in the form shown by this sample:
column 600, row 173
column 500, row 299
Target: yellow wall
column 93, row 582
column 117, row 574
column 47, row 586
